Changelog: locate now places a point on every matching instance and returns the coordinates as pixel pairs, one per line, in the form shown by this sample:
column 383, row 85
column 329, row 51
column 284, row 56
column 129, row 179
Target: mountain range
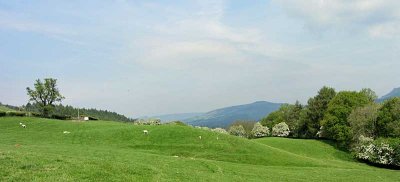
column 394, row 93
column 223, row 117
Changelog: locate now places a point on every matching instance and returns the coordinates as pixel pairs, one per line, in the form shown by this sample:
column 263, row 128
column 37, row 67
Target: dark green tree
column 335, row 123
column 45, row 95
column 314, row 112
column 388, row 122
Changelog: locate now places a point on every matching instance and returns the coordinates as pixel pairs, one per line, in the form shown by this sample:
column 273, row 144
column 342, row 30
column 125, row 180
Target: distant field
column 4, row 108
column 112, row 151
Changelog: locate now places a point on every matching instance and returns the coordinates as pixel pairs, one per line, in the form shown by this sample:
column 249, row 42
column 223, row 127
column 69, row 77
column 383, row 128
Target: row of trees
column 352, row 119
column 45, row 96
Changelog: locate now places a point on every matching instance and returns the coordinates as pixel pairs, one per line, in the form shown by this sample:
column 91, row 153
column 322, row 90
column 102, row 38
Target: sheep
column 66, row 132
column 200, row 137
column 23, row 126
column 145, row 132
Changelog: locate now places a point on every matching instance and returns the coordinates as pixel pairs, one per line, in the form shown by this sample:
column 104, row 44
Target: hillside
column 225, row 116
column 5, row 109
column 112, row 151
column 394, row 93
column 174, row 117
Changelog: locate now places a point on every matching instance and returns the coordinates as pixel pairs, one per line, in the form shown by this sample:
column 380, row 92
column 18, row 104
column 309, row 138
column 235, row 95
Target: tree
column 335, row 123
column 388, row 122
column 369, row 93
column 45, row 95
column 363, row 121
column 315, row 112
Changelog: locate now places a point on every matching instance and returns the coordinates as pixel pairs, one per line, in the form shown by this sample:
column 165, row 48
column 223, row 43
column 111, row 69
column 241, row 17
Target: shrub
column 147, row 122
column 15, row 113
column 219, row 130
column 2, row 113
column 281, row 130
column 383, row 151
column 61, row 117
column 179, row 123
column 237, row 130
column 259, row 131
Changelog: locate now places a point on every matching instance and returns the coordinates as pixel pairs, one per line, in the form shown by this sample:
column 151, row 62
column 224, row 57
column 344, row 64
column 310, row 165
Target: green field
column 5, row 109
column 112, row 151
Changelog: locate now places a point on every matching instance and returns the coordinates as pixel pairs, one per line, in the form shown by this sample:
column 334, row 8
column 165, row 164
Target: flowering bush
column 219, row 130
column 281, row 130
column 237, row 130
column 259, row 131
column 147, row 122
column 382, row 151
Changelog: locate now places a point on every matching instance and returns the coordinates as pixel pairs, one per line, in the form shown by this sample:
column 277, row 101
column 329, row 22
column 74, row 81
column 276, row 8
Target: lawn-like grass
column 111, row 151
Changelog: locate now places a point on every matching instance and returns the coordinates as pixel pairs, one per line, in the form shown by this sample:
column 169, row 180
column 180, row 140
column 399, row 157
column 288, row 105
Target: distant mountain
column 174, row 117
column 394, row 93
column 225, row 116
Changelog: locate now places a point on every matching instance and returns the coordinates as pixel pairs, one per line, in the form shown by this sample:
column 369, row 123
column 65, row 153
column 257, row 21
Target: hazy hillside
column 394, row 93
column 225, row 116
column 174, row 117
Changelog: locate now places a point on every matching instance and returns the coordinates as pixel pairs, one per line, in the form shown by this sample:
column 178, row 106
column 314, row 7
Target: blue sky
column 156, row 57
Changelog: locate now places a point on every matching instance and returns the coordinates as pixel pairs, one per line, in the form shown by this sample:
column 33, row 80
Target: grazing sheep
column 145, row 132
column 23, row 126
column 200, row 137
column 66, row 132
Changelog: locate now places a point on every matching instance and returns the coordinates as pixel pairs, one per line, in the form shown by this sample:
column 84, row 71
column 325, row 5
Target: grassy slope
column 4, row 108
column 104, row 151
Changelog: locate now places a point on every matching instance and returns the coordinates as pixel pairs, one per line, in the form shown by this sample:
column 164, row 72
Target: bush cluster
column 281, row 130
column 382, row 151
column 147, row 122
column 15, row 113
column 259, row 131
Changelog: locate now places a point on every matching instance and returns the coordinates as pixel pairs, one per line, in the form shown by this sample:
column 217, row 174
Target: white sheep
column 66, row 132
column 145, row 132
column 200, row 137
column 22, row 125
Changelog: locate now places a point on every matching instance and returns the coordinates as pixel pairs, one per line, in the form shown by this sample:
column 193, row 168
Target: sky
column 143, row 58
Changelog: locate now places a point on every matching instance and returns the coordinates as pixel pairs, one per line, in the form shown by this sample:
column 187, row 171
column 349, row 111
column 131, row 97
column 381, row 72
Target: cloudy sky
column 156, row 57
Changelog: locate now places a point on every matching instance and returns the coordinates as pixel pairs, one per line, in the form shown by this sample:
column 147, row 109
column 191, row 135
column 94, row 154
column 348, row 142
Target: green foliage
column 71, row 112
column 179, row 123
column 388, row 122
column 287, row 113
column 2, row 113
column 335, row 123
column 45, row 95
column 315, row 112
column 247, row 126
column 15, row 113
column 363, row 121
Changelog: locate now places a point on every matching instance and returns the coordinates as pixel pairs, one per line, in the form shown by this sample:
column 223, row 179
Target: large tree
column 315, row 112
column 44, row 95
column 335, row 123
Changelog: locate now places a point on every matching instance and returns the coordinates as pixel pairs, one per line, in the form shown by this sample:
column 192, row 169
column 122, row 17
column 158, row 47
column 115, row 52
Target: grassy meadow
column 113, row 151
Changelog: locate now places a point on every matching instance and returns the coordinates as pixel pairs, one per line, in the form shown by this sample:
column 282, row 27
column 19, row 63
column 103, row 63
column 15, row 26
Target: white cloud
column 376, row 17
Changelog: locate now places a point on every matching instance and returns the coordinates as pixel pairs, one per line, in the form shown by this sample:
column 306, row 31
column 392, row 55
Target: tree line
column 352, row 119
